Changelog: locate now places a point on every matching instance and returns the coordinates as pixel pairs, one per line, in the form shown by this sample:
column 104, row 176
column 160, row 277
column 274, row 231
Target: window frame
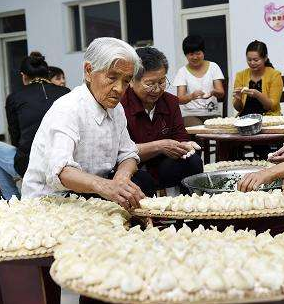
column 203, row 12
column 4, row 81
column 10, row 14
column 202, row 6
column 81, row 6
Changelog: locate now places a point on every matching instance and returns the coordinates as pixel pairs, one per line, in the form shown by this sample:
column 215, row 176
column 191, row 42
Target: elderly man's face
column 109, row 86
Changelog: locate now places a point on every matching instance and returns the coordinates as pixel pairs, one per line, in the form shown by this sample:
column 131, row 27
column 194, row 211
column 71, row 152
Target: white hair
column 104, row 51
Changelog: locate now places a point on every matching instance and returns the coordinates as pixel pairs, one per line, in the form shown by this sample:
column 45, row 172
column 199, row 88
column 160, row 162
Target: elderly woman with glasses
column 155, row 123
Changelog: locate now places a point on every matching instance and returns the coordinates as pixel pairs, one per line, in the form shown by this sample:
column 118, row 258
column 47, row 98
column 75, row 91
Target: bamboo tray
column 217, row 298
column 209, row 215
column 231, row 130
column 25, row 254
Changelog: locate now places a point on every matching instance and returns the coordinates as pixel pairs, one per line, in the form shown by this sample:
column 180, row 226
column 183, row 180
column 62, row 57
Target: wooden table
column 203, row 130
column 226, row 143
column 228, row 140
column 28, row 282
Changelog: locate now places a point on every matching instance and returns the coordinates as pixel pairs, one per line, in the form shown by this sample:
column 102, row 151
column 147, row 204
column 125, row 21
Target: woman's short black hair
column 34, row 66
column 261, row 48
column 193, row 43
column 54, row 71
column 152, row 60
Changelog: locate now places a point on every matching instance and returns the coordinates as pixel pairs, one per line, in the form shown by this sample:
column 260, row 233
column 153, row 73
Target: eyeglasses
column 150, row 88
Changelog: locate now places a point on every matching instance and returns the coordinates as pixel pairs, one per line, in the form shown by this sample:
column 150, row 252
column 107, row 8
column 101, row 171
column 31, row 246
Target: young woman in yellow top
column 258, row 89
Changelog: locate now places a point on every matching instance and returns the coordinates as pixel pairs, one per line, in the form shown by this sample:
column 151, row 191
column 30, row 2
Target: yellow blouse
column 272, row 87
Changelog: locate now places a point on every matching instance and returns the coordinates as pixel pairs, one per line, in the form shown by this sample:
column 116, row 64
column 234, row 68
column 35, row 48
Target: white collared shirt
column 151, row 113
column 77, row 132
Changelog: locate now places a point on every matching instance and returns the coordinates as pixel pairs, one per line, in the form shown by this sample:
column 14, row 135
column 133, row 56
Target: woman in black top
column 25, row 110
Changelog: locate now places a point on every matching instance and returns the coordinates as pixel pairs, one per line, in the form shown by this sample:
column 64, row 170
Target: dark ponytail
column 261, row 48
column 34, row 66
column 268, row 63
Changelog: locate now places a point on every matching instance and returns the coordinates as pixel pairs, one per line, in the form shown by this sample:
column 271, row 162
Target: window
column 139, row 22
column 198, row 3
column 10, row 24
column 130, row 20
column 76, row 28
column 102, row 20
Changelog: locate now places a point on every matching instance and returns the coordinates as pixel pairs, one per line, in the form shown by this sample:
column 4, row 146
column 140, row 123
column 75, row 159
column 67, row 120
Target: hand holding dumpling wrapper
column 193, row 146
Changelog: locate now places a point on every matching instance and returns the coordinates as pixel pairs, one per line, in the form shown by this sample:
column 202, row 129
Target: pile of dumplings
column 228, row 122
column 36, row 226
column 224, row 202
column 224, row 165
column 219, row 122
column 172, row 266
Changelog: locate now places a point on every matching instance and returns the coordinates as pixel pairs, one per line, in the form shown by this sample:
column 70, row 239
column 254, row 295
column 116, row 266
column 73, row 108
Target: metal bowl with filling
column 222, row 181
column 250, row 124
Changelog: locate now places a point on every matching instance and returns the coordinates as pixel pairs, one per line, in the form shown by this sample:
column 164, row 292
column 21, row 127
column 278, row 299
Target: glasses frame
column 153, row 87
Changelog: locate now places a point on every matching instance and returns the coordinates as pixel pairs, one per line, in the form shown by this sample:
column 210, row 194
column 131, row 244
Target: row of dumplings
column 235, row 164
column 223, row 202
column 229, row 122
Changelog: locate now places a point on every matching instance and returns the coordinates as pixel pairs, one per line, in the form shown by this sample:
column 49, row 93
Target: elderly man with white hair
column 82, row 145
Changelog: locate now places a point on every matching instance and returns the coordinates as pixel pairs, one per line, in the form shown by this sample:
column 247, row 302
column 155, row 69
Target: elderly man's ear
column 87, row 71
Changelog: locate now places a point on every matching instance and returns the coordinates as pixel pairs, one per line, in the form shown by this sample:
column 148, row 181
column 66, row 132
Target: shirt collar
column 136, row 105
column 99, row 112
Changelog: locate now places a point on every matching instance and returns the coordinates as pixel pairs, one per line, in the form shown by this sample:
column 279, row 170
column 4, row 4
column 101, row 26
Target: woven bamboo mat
column 209, row 215
column 220, row 298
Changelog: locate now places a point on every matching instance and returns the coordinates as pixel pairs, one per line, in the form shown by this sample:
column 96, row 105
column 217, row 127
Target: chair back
column 282, row 96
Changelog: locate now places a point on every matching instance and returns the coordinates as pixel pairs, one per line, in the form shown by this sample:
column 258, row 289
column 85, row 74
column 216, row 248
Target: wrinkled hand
column 173, row 148
column 277, row 157
column 197, row 94
column 252, row 181
column 122, row 191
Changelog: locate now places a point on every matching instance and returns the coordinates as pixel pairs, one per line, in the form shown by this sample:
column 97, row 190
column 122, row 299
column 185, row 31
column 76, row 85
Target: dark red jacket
column 167, row 121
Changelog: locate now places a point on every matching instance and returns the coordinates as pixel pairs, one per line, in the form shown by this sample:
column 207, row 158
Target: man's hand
column 252, row 181
column 277, row 157
column 122, row 191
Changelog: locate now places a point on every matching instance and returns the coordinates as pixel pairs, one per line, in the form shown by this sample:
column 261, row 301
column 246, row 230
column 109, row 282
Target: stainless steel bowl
column 220, row 181
column 251, row 129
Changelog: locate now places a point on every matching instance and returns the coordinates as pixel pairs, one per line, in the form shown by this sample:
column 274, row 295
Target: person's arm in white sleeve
column 62, row 138
column 218, row 76
column 127, row 148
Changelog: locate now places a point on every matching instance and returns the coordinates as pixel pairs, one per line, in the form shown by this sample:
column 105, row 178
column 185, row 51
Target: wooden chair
column 282, row 96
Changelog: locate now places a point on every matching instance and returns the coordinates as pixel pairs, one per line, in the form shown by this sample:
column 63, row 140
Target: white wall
column 247, row 24
column 165, row 16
